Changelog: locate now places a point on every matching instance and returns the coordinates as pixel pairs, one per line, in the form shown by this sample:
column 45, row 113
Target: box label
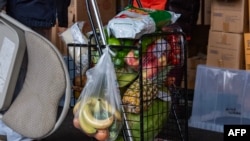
column 236, row 132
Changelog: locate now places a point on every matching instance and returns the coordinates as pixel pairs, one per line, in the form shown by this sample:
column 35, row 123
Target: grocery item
column 131, row 98
column 153, row 120
column 99, row 111
column 154, row 58
column 134, row 22
column 95, row 116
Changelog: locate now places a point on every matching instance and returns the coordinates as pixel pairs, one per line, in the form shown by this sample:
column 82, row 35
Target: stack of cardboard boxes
column 193, row 62
column 247, row 44
column 229, row 22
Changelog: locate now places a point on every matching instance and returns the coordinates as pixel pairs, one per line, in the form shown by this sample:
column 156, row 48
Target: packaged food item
column 133, row 22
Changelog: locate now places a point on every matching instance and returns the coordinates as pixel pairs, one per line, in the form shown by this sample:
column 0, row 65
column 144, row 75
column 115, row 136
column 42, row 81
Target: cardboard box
column 192, row 64
column 225, row 50
column 248, row 16
column 205, row 12
column 191, row 73
column 229, row 16
column 247, row 50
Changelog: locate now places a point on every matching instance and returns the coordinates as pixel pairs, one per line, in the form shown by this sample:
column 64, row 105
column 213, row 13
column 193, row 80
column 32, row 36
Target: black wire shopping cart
column 156, row 108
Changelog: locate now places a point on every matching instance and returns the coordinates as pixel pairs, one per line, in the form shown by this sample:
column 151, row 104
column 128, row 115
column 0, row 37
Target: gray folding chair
column 34, row 112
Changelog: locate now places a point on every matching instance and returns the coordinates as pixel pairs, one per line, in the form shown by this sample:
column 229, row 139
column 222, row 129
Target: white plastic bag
column 74, row 35
column 98, row 111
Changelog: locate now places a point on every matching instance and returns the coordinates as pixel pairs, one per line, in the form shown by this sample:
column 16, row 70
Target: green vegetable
column 120, row 42
column 114, row 130
column 145, row 42
column 118, row 62
column 120, row 52
column 126, row 78
column 127, row 42
column 119, row 57
column 113, row 41
column 153, row 121
column 119, row 138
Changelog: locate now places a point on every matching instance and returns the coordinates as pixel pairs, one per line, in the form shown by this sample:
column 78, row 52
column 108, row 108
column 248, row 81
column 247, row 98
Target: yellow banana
column 94, row 122
column 88, row 129
column 106, row 106
column 111, row 110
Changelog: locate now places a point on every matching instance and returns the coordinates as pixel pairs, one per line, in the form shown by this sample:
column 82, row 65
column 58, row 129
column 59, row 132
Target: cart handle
column 98, row 22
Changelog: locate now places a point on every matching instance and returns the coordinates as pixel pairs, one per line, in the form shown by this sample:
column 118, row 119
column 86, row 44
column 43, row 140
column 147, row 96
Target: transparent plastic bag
column 98, row 111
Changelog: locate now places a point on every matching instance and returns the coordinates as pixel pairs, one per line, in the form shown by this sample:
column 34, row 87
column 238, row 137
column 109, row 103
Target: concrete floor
column 68, row 133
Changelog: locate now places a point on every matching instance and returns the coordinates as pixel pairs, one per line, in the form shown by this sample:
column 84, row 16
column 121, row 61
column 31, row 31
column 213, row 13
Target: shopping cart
column 154, row 120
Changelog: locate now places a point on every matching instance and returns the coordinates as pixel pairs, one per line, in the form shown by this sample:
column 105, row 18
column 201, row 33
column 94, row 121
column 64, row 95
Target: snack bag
column 134, row 22
column 98, row 112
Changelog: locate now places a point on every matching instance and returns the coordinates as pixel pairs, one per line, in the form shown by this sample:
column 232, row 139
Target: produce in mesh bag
column 131, row 98
column 153, row 121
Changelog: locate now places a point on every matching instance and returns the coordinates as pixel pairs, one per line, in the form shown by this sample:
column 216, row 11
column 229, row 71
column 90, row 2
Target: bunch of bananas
column 97, row 118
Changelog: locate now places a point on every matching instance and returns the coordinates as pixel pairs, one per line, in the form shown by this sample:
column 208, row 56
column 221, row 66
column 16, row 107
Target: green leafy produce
column 146, row 41
column 113, row 41
column 153, row 121
column 118, row 48
column 126, row 78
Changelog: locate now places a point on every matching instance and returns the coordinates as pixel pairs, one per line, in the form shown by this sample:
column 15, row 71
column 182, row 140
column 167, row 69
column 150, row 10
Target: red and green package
column 134, row 22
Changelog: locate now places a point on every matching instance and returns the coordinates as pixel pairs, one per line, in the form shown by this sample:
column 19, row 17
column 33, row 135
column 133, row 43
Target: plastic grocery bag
column 98, row 111
column 74, row 35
